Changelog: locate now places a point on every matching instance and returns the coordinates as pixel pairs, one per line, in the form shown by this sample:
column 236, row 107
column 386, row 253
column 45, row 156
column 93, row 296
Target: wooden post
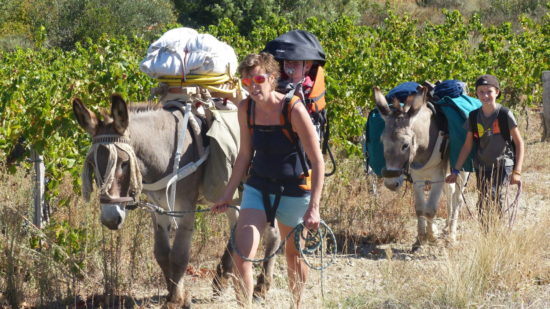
column 39, row 184
column 546, row 105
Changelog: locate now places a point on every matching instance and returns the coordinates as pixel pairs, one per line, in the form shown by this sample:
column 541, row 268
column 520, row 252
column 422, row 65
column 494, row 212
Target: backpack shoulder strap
column 288, row 105
column 290, row 101
column 503, row 123
column 473, row 122
column 250, row 113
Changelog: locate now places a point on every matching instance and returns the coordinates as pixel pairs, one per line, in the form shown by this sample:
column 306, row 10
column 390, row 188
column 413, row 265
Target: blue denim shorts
column 291, row 209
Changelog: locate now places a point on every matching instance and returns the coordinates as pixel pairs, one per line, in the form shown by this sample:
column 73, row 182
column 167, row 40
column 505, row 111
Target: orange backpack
column 301, row 45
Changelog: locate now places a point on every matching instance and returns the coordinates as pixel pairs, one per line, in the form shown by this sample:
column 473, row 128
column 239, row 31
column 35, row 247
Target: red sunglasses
column 257, row 79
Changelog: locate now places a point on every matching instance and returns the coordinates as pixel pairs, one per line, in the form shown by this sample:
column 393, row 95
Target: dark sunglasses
column 257, row 79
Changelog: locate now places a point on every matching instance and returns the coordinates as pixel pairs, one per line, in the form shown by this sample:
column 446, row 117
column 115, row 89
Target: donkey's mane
column 140, row 107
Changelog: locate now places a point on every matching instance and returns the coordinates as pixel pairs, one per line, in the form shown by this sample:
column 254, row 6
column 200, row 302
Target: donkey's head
column 399, row 137
column 111, row 159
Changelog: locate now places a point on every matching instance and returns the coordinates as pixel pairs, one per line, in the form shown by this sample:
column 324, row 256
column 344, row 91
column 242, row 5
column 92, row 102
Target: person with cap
column 499, row 156
column 277, row 186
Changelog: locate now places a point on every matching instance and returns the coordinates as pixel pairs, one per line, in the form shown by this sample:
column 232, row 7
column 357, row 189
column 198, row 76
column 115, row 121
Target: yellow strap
column 208, row 81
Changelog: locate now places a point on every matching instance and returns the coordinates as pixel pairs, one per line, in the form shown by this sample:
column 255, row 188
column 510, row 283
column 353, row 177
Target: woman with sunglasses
column 276, row 175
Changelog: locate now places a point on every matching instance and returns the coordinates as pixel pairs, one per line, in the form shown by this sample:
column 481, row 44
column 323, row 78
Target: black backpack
column 502, row 119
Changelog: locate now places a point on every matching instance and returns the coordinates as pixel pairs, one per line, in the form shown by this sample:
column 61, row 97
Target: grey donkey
column 412, row 141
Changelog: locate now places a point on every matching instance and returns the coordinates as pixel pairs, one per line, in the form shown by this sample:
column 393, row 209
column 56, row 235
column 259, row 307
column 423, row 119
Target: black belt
column 271, row 209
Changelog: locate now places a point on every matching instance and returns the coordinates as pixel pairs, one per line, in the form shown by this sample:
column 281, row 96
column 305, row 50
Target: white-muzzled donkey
column 412, row 143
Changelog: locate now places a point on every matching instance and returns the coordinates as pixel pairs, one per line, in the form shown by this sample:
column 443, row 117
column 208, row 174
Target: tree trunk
column 39, row 186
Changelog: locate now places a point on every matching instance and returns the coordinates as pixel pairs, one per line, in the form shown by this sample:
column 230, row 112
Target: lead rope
column 513, row 207
column 321, row 233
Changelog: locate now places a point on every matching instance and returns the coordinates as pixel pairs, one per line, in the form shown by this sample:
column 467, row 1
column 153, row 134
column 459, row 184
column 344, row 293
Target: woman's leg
column 250, row 224
column 296, row 268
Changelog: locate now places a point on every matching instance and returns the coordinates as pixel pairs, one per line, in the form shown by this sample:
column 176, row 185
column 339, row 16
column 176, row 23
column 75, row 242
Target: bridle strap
column 110, row 139
column 120, row 200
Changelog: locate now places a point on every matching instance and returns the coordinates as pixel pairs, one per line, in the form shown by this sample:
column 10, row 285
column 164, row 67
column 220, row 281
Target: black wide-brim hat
column 296, row 45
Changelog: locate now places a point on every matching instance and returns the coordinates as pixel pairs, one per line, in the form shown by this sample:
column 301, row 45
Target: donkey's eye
column 405, row 147
column 124, row 164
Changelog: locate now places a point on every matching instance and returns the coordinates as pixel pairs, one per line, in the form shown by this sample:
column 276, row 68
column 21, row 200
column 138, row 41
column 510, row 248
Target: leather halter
column 112, row 139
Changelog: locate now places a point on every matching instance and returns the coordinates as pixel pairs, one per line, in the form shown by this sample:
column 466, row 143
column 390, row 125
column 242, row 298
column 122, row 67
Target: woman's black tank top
column 275, row 163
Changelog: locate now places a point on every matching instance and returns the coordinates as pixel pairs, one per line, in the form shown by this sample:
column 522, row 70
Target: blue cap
column 402, row 91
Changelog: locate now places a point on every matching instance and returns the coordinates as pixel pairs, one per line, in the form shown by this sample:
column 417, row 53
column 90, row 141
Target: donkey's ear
column 381, row 102
column 430, row 96
column 119, row 112
column 85, row 117
column 418, row 101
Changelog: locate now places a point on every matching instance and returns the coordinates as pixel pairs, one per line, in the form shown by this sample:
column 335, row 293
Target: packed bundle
column 183, row 51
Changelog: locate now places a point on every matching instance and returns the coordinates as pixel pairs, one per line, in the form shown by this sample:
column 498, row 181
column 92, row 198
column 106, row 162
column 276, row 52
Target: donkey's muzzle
column 391, row 173
column 113, row 215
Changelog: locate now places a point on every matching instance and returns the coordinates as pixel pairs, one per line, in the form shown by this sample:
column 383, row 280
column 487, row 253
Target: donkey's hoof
column 260, row 292
column 416, row 246
column 432, row 240
column 219, row 284
column 262, row 286
column 450, row 242
column 184, row 302
column 187, row 302
column 172, row 305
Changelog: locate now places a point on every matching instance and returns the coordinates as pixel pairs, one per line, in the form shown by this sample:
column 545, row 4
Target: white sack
column 203, row 54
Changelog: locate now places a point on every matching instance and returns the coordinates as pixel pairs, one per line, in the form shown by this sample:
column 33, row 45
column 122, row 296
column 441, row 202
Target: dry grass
column 73, row 258
column 502, row 268
column 360, row 210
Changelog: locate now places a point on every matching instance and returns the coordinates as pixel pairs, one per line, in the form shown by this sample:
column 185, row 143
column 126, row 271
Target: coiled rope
column 314, row 241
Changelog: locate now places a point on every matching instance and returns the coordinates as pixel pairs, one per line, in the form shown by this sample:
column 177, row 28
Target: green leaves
column 36, row 102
